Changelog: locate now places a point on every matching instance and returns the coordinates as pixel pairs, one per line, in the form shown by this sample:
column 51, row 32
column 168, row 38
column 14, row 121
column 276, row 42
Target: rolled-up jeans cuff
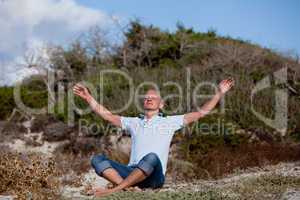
column 145, row 167
column 100, row 167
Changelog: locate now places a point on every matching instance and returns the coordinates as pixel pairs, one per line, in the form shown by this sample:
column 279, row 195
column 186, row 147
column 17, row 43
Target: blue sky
column 29, row 25
column 271, row 23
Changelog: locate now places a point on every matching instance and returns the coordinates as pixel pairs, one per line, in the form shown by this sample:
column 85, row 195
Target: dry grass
column 262, row 188
column 224, row 160
column 28, row 176
column 265, row 187
column 77, row 153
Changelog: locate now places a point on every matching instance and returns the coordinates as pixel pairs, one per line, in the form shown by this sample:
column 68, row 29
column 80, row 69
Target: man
column 151, row 136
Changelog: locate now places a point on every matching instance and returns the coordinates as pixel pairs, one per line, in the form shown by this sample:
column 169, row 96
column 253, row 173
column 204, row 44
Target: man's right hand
column 85, row 94
column 81, row 91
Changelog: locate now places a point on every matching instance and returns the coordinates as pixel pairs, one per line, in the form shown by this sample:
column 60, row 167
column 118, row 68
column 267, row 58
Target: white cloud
column 27, row 23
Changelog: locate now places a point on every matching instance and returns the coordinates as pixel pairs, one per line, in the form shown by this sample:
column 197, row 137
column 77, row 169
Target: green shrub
column 7, row 103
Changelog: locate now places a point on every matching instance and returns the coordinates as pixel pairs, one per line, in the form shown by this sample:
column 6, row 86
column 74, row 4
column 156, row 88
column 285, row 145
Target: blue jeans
column 150, row 164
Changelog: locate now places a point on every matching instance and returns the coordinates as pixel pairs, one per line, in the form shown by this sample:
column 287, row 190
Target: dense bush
column 7, row 103
column 33, row 94
column 211, row 158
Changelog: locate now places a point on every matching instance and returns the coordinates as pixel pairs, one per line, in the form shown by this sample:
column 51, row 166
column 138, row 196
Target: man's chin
column 150, row 109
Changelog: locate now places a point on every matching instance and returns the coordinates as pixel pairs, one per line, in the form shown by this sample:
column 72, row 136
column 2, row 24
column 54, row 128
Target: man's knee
column 149, row 163
column 96, row 159
column 152, row 158
column 100, row 163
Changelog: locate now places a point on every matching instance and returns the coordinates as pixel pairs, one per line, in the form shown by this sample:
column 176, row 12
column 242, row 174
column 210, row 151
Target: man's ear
column 161, row 104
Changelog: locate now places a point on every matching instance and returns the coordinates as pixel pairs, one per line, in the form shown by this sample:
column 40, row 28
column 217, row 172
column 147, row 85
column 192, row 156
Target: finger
column 77, row 87
column 78, row 94
column 88, row 90
column 222, row 82
column 76, row 90
column 230, row 80
column 80, row 89
column 80, row 85
column 227, row 81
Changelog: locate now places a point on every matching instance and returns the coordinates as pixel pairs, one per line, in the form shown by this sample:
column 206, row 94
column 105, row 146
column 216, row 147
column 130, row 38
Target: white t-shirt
column 152, row 135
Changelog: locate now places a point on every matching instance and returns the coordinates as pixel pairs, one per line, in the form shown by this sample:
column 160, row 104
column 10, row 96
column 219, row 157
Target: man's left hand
column 225, row 85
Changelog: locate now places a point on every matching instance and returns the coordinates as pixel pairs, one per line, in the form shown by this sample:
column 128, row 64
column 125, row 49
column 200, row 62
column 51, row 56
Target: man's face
column 152, row 100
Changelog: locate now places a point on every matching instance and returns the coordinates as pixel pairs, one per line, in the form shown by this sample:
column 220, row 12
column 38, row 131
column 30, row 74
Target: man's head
column 153, row 100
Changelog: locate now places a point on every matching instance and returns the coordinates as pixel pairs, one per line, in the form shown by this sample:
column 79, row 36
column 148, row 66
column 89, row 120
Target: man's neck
column 150, row 113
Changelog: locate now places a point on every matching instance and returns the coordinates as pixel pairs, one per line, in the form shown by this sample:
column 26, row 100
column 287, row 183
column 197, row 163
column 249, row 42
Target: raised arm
column 84, row 93
column 224, row 87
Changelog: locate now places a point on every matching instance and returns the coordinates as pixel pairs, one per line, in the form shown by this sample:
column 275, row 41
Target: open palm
column 81, row 91
column 225, row 85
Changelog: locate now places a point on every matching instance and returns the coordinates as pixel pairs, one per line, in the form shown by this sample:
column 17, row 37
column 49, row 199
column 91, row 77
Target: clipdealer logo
column 279, row 123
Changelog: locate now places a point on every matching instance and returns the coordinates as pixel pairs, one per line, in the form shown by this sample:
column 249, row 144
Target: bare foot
column 93, row 191
column 110, row 185
column 134, row 189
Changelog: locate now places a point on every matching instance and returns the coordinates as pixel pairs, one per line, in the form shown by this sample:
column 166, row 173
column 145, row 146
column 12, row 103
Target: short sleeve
column 127, row 122
column 175, row 122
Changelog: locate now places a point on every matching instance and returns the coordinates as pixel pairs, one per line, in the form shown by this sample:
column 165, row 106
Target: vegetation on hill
column 148, row 53
column 151, row 54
